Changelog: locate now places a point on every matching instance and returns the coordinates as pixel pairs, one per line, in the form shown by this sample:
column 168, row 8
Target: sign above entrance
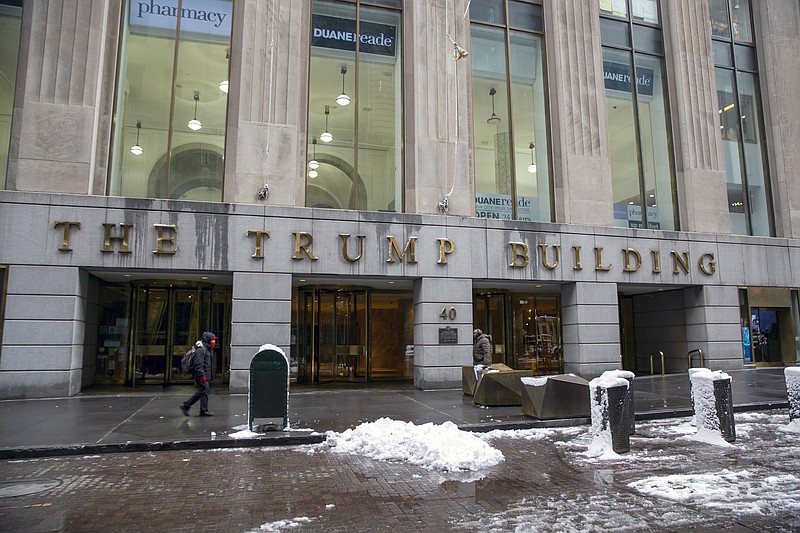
column 341, row 34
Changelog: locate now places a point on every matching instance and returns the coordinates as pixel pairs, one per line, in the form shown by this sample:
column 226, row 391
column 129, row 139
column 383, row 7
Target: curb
column 130, row 447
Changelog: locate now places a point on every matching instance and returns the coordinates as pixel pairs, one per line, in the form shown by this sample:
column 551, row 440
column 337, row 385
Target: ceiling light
column 223, row 86
column 343, row 99
column 493, row 119
column 195, row 124
column 313, row 174
column 326, row 137
column 532, row 166
column 728, row 107
column 136, row 149
column 313, row 164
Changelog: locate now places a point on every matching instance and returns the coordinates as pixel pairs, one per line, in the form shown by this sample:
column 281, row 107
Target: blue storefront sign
column 340, row 34
column 617, row 77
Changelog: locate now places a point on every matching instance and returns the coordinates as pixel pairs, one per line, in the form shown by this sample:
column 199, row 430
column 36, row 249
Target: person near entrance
column 202, row 375
column 482, row 348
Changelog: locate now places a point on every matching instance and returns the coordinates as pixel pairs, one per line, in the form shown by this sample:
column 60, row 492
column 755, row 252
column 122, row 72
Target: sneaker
column 184, row 410
column 206, row 413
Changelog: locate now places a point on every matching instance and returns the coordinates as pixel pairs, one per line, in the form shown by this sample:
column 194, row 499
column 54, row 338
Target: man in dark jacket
column 202, row 375
column 482, row 348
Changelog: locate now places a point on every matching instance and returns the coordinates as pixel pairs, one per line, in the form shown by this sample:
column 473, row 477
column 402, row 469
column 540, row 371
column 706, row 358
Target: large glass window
column 740, row 121
column 10, row 23
column 355, row 108
column 642, row 167
column 171, row 101
column 512, row 153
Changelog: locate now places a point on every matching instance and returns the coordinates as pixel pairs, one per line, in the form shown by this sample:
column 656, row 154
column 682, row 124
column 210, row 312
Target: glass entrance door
column 333, row 341
column 167, row 321
column 765, row 337
column 489, row 315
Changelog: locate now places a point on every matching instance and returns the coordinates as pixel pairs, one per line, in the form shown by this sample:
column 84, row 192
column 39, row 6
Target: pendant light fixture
column 343, row 99
column 532, row 166
column 493, row 119
column 313, row 164
column 195, row 124
column 326, row 137
column 136, row 149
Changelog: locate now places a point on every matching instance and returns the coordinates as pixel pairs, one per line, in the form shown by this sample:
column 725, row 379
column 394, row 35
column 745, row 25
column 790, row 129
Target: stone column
column 261, row 314
column 579, row 130
column 57, row 141
column 266, row 132
column 590, row 328
column 438, row 366
column 778, row 26
column 43, row 332
column 700, row 169
column 438, row 108
column 713, row 326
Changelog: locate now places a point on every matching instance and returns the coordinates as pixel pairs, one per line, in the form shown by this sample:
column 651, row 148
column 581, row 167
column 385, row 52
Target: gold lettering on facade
column 258, row 234
column 123, row 239
column 543, row 250
column 576, row 251
column 598, row 260
column 169, row 238
column 303, row 241
column 628, row 252
column 519, row 250
column 707, row 268
column 394, row 249
column 344, row 237
column 65, row 239
column 680, row 259
column 446, row 246
column 656, row 261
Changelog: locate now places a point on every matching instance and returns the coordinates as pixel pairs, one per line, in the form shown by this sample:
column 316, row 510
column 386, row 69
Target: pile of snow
column 534, row 382
column 436, row 447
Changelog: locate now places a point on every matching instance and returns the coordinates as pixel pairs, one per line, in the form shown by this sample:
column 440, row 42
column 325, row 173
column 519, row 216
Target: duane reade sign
column 340, row 34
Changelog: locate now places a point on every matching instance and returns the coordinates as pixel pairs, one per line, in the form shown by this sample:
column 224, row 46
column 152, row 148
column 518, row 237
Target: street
column 668, row 482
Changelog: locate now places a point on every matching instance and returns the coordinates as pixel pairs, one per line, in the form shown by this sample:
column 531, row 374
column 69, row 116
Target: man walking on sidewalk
column 203, row 374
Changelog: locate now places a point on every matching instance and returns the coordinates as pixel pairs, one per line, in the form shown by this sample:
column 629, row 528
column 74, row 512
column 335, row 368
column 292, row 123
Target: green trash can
column 268, row 399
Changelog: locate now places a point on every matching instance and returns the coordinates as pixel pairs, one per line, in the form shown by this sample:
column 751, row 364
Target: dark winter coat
column 482, row 350
column 203, row 358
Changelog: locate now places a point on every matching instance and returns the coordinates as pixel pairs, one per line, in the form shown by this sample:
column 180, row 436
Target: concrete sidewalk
column 150, row 419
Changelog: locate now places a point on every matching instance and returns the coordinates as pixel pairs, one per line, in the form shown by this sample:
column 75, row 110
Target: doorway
column 145, row 329
column 765, row 336
column 353, row 335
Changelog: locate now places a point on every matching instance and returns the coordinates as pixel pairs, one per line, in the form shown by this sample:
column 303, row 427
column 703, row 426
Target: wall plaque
column 448, row 335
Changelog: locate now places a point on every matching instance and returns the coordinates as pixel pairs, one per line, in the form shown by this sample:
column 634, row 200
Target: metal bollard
column 609, row 398
column 630, row 407
column 713, row 403
column 792, row 375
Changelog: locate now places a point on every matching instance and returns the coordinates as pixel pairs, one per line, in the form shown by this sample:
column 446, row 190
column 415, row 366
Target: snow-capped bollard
column 792, row 375
column 692, row 371
column 630, row 406
column 713, row 403
column 610, row 429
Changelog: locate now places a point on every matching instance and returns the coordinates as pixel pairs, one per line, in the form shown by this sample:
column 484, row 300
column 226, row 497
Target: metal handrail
column 662, row 361
column 696, row 351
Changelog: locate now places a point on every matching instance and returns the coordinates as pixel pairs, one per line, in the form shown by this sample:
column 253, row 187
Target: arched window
column 355, row 107
column 171, row 100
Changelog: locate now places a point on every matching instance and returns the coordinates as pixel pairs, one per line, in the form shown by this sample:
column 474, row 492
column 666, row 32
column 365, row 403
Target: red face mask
column 213, row 342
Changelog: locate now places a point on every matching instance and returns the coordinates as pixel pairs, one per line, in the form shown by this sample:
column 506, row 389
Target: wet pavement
column 189, row 474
